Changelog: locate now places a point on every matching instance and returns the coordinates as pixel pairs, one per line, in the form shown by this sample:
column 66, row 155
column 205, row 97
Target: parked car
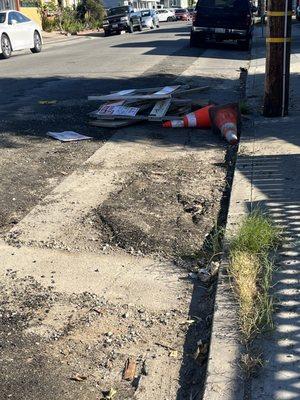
column 182, row 14
column 149, row 19
column 165, row 15
column 18, row 32
column 191, row 11
column 298, row 13
column 120, row 19
column 223, row 20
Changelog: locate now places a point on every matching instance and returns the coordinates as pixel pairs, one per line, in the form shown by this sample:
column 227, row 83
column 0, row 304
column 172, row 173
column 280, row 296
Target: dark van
column 223, row 20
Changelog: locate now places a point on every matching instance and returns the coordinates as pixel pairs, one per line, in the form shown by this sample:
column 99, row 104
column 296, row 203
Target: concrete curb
column 66, row 39
column 224, row 379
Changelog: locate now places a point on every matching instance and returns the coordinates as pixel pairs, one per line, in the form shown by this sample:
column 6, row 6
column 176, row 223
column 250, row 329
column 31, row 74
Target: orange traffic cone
column 225, row 118
column 198, row 119
column 178, row 123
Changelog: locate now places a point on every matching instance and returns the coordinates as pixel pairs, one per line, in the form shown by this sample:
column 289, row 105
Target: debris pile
column 169, row 105
column 150, row 104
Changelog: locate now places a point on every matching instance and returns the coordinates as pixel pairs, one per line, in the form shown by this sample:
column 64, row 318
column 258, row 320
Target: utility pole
column 278, row 42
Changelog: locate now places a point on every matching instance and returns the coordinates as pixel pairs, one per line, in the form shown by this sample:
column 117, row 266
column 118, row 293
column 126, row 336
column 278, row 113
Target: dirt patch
column 166, row 207
column 48, row 338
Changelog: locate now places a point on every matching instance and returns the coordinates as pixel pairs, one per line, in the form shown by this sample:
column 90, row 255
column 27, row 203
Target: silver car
column 149, row 19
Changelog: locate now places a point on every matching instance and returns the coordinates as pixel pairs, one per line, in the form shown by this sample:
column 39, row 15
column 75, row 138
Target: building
column 8, row 4
column 145, row 4
column 112, row 3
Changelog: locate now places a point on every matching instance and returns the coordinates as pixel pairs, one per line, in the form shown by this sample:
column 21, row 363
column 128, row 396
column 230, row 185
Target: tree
column 91, row 12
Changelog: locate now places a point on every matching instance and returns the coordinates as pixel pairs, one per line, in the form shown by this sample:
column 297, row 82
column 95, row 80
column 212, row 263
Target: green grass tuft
column 251, row 269
column 257, row 234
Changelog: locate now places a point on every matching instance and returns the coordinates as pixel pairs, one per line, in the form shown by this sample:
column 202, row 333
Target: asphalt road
column 100, row 64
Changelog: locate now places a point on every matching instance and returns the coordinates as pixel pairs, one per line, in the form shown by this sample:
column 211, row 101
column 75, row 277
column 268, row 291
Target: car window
column 12, row 16
column 118, row 10
column 2, row 17
column 146, row 13
column 22, row 18
column 225, row 4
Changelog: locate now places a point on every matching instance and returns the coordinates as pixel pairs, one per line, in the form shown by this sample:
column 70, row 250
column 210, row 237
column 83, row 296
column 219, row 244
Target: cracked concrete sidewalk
column 266, row 175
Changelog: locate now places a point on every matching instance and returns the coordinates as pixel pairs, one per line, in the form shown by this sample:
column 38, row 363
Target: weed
column 251, row 269
column 257, row 234
column 244, row 108
column 251, row 363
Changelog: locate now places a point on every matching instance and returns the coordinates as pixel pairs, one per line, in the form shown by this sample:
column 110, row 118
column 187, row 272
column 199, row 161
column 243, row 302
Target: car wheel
column 170, row 19
column 140, row 27
column 106, row 33
column 130, row 28
column 157, row 25
column 37, row 43
column 5, row 46
column 245, row 44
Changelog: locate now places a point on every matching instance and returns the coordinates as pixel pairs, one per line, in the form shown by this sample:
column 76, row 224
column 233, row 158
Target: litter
column 68, row 136
column 108, row 394
column 129, row 370
column 47, row 102
column 205, row 274
column 78, row 378
column 131, row 106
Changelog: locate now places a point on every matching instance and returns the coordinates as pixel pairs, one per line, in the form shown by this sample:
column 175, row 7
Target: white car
column 149, row 19
column 165, row 15
column 18, row 32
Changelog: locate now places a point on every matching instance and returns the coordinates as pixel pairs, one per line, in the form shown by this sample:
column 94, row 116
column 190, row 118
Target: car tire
column 245, row 45
column 195, row 41
column 106, row 33
column 140, row 27
column 5, row 46
column 157, row 26
column 37, row 43
column 130, row 28
column 170, row 19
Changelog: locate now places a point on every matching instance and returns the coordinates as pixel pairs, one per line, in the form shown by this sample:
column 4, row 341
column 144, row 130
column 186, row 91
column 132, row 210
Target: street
column 100, row 237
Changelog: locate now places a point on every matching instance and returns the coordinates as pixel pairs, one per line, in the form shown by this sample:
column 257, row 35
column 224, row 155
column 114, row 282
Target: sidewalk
column 272, row 167
column 57, row 37
column 266, row 175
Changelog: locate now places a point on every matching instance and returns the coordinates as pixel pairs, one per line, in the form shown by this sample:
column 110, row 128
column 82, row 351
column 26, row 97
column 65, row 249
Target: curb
column 224, row 378
column 67, row 39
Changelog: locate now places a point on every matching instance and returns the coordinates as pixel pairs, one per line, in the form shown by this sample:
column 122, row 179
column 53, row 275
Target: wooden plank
column 180, row 93
column 139, row 117
column 131, row 97
column 109, row 123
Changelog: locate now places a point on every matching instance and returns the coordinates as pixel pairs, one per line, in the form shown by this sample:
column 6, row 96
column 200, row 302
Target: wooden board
column 108, row 123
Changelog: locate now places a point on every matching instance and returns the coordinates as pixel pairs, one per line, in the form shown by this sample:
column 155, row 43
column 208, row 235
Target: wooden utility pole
column 278, row 42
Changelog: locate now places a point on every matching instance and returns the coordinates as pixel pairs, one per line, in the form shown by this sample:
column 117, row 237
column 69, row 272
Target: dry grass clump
column 251, row 269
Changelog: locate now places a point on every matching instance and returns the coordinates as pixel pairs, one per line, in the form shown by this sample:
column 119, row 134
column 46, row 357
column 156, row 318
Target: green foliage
column 251, row 268
column 48, row 13
column 69, row 22
column 257, row 235
column 91, row 13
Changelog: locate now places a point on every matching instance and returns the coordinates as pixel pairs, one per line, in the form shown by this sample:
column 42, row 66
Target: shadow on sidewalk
column 276, row 190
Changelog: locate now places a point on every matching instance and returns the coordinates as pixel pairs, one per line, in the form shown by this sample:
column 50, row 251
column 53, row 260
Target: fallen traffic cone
column 178, row 123
column 198, row 119
column 226, row 119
